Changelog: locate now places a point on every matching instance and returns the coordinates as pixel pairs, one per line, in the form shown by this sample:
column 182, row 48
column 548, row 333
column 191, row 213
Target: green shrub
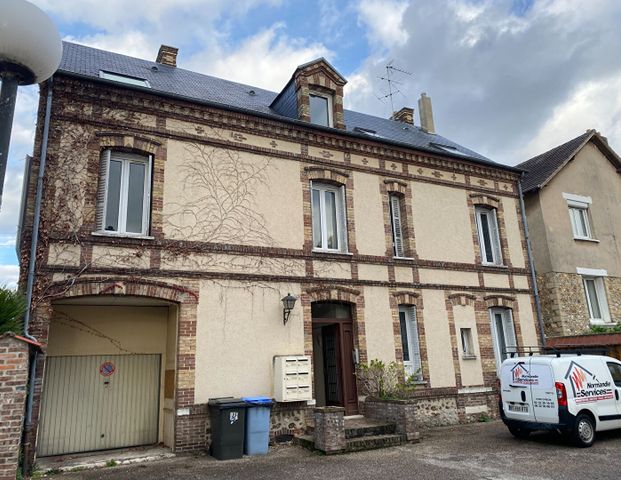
column 385, row 381
column 12, row 308
column 602, row 329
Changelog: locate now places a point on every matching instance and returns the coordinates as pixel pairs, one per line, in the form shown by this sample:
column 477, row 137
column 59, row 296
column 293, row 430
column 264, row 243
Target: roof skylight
column 117, row 77
column 367, row 131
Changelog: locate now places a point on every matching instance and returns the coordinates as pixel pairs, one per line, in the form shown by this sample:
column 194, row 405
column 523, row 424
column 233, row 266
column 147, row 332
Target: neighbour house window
column 489, row 238
column 329, row 222
column 396, row 224
column 467, row 347
column 579, row 216
column 503, row 333
column 410, row 341
column 125, row 193
column 596, row 299
column 321, row 109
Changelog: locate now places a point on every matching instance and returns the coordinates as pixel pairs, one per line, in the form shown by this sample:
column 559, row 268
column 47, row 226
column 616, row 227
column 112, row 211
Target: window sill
column 494, row 265
column 586, row 239
column 602, row 323
column 122, row 235
column 332, row 252
column 468, row 357
column 403, row 258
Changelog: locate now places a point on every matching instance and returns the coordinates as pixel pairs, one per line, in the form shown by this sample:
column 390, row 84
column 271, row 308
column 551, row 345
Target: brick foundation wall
column 192, row 431
column 288, row 419
column 330, row 429
column 13, row 382
column 400, row 412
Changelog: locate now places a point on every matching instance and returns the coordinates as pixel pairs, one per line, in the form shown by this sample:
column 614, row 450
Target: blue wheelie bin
column 256, row 441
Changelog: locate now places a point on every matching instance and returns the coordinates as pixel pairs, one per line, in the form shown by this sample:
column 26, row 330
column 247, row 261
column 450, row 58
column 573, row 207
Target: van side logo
column 522, row 376
column 586, row 387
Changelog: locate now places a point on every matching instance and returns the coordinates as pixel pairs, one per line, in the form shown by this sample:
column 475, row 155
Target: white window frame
column 330, row 105
column 509, row 336
column 415, row 365
column 467, row 343
column 126, row 159
column 396, row 225
column 341, row 217
column 600, row 291
column 578, row 205
column 494, row 235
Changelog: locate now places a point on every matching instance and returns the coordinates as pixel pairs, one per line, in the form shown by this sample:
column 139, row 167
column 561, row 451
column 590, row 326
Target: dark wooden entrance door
column 338, row 354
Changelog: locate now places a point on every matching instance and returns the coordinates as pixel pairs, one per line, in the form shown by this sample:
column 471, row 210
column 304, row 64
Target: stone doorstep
column 105, row 458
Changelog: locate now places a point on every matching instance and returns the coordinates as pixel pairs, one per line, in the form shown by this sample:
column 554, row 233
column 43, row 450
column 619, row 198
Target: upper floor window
column 126, row 194
column 503, row 333
column 579, row 215
column 410, row 342
column 596, row 299
column 329, row 222
column 321, row 109
column 489, row 238
column 396, row 224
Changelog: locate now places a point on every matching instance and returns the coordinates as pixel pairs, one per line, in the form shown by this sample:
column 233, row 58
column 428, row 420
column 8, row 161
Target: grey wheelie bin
column 227, row 417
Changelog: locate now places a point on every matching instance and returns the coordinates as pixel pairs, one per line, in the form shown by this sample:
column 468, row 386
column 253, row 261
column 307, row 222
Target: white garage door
column 99, row 402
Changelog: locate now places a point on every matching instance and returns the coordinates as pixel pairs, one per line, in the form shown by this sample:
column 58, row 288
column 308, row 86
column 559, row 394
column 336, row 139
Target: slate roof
column 539, row 170
column 87, row 62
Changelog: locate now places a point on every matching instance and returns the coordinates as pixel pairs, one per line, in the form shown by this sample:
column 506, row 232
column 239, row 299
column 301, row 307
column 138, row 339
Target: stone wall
column 288, row 419
column 436, row 412
column 613, row 294
column 13, row 381
column 563, row 301
column 329, row 431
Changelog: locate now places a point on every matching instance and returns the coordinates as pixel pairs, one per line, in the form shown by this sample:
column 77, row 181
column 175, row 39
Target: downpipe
column 531, row 261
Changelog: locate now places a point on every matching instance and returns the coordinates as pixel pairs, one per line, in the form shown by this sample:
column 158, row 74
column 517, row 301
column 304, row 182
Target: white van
column 574, row 394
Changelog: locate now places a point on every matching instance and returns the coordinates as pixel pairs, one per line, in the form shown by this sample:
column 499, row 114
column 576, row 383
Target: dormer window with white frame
column 579, row 216
column 124, row 202
column 321, row 105
column 489, row 237
column 329, row 219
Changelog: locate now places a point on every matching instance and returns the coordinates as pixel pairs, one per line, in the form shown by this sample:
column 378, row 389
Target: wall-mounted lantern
column 288, row 303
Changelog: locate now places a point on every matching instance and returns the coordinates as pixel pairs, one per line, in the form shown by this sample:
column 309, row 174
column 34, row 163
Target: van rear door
column 515, row 390
column 543, row 390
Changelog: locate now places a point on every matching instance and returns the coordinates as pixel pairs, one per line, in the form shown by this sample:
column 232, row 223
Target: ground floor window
column 410, row 341
column 596, row 299
column 503, row 333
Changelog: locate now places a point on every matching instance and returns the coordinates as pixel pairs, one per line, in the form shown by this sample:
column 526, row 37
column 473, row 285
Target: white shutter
column 495, row 238
column 397, row 232
column 342, row 220
column 102, row 190
column 509, row 331
column 415, row 344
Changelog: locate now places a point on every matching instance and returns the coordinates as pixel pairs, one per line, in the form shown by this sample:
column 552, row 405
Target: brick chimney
column 405, row 115
column 167, row 56
column 426, row 113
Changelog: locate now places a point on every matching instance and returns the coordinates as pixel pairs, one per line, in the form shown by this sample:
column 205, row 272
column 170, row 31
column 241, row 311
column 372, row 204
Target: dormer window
column 321, row 109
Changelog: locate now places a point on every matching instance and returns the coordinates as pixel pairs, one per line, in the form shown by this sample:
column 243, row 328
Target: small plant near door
column 385, row 381
column 12, row 308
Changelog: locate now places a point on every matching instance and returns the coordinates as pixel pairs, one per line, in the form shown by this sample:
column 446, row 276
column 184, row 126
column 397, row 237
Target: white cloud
column 9, row 274
column 384, row 20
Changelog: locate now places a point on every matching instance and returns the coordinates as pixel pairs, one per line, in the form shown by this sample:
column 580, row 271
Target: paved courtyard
column 480, row 451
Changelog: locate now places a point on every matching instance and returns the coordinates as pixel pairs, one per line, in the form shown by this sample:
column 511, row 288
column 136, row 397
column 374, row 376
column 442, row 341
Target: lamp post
column 30, row 52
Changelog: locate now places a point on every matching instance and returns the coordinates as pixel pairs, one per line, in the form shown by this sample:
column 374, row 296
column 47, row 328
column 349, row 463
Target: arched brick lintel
column 333, row 293
column 502, row 301
column 404, row 297
column 129, row 141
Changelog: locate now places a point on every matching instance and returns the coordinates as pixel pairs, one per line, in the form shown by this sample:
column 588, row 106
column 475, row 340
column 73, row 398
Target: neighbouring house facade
column 179, row 209
column 572, row 195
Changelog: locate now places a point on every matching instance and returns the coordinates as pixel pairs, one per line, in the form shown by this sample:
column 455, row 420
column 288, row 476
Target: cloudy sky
column 508, row 78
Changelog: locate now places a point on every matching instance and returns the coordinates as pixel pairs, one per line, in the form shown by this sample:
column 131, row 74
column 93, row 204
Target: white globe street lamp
column 30, row 52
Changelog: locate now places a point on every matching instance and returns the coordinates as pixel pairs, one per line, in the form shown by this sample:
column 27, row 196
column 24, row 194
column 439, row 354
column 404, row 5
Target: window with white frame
column 329, row 221
column 596, row 299
column 410, row 342
column 503, row 333
column 396, row 224
column 489, row 238
column 321, row 109
column 579, row 215
column 125, row 193
column 467, row 347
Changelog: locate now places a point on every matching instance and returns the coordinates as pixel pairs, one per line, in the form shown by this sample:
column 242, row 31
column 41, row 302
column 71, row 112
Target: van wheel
column 518, row 432
column 583, row 433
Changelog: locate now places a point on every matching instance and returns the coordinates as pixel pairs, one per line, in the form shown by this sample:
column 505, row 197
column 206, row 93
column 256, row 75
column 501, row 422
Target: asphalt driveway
column 480, row 451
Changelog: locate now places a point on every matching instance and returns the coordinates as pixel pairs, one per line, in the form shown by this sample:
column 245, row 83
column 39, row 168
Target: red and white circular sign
column 106, row 369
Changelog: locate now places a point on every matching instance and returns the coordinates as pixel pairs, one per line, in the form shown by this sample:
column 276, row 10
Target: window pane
column 319, row 110
column 487, row 239
column 500, row 334
column 316, row 220
column 584, row 231
column 615, row 371
column 135, row 197
column 404, row 337
column 114, row 196
column 330, row 207
column 330, row 310
column 593, row 299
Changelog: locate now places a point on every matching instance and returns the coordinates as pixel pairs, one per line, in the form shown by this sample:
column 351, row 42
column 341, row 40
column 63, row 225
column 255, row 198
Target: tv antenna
column 392, row 90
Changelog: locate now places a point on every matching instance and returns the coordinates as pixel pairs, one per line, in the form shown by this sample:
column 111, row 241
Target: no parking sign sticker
column 107, row 368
